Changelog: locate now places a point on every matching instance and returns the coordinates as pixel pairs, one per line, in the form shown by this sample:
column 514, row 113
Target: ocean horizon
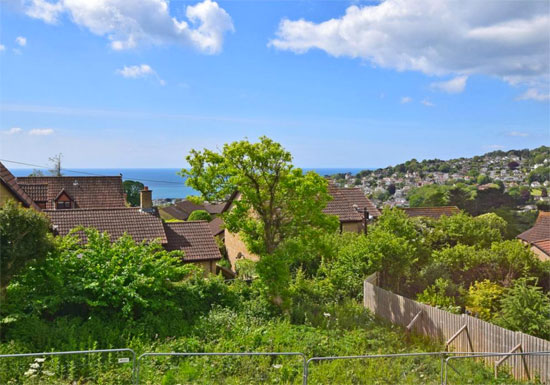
column 164, row 182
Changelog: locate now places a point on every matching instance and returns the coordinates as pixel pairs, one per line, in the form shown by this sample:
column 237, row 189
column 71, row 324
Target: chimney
column 146, row 199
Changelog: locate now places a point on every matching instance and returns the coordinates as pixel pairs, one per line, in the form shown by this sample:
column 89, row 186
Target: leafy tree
column 429, row 195
column 540, row 174
column 132, row 190
column 483, row 299
column 483, row 179
column 513, row 165
column 200, row 215
column 36, row 172
column 24, row 237
column 391, row 189
column 275, row 201
column 526, row 307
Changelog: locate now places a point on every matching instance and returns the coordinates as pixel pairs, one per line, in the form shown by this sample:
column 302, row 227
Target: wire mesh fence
column 68, row 366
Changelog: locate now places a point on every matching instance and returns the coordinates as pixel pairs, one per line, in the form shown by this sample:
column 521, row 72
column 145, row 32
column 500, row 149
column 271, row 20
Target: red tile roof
column 540, row 232
column 194, row 238
column 140, row 225
column 348, row 204
column 544, row 246
column 431, row 212
column 87, row 191
column 8, row 180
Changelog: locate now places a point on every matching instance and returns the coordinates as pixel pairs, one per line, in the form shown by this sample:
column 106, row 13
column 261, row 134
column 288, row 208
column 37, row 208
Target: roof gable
column 8, row 180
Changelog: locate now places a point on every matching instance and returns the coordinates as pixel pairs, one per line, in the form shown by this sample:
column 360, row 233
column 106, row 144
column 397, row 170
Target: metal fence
column 444, row 358
column 461, row 332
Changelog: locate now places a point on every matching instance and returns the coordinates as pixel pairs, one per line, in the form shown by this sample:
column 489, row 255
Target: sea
column 164, row 182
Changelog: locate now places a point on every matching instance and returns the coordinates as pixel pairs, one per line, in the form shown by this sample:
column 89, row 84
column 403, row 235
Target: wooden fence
column 462, row 332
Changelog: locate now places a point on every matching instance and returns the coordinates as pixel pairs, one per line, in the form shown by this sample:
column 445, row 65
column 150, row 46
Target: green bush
column 483, row 299
column 200, row 215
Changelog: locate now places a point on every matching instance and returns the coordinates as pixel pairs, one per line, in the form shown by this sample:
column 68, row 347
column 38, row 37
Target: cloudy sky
column 120, row 83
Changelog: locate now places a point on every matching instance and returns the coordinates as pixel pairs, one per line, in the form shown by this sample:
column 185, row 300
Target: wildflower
column 39, row 360
column 35, row 365
column 277, row 366
column 326, row 314
column 48, row 373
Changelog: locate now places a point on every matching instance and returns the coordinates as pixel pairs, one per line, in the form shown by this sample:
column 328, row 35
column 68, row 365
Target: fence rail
column 462, row 332
column 444, row 357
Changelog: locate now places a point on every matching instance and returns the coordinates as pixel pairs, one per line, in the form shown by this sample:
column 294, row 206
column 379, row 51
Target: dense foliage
column 132, row 190
column 200, row 215
column 24, row 237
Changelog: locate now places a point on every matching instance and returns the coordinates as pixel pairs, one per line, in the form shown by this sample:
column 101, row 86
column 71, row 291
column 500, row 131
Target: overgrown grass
column 347, row 330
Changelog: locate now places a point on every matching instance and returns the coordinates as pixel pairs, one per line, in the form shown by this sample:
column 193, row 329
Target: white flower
column 35, row 365
column 277, row 366
column 39, row 359
column 326, row 314
column 29, row 372
column 48, row 373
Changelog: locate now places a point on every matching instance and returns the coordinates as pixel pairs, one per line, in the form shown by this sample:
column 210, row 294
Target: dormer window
column 63, row 201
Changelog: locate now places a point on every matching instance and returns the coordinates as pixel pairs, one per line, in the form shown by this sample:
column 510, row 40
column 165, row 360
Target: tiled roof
column 214, row 208
column 216, row 226
column 140, row 225
column 357, row 197
column 431, row 212
column 174, row 212
column 194, row 238
column 7, row 178
column 544, row 246
column 37, row 192
column 187, row 207
column 540, row 231
column 341, row 206
column 87, row 191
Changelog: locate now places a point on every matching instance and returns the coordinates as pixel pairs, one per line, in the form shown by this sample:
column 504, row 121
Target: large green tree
column 275, row 201
column 24, row 237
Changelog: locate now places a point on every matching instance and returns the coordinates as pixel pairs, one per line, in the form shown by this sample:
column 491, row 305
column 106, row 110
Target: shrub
column 441, row 295
column 200, row 215
column 24, row 237
column 483, row 299
column 526, row 307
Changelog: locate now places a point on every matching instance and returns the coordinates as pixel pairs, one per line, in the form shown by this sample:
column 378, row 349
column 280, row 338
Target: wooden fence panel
column 442, row 325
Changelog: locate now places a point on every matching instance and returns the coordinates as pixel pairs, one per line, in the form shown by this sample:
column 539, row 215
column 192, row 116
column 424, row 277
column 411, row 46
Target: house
column 10, row 189
column 74, row 192
column 538, row 236
column 430, row 212
column 349, row 204
column 194, row 238
column 182, row 209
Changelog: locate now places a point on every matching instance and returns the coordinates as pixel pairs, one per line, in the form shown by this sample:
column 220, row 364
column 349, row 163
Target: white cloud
column 506, row 39
column 129, row 23
column 41, row 131
column 21, row 41
column 13, row 130
column 453, row 86
column 534, row 94
column 406, row 99
column 139, row 71
column 2, row 47
column 427, row 103
column 517, row 133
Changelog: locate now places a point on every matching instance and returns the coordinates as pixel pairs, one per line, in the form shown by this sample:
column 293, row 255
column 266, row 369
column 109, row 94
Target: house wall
column 6, row 194
column 540, row 254
column 353, row 227
column 236, row 249
column 208, row 266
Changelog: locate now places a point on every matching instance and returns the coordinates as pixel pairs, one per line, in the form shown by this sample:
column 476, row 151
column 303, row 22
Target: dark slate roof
column 174, row 212
column 431, row 212
column 540, row 231
column 87, row 191
column 194, row 238
column 8, row 180
column 216, row 226
column 357, row 197
column 140, row 225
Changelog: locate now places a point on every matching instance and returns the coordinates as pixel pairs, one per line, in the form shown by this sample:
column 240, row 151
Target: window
column 63, row 205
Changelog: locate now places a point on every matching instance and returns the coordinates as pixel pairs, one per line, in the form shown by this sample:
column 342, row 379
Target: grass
column 348, row 330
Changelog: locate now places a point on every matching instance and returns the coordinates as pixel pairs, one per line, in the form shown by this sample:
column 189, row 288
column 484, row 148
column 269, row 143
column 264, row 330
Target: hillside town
column 513, row 171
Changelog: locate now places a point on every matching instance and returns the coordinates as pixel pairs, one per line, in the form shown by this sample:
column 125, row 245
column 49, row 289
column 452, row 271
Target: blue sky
column 339, row 84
